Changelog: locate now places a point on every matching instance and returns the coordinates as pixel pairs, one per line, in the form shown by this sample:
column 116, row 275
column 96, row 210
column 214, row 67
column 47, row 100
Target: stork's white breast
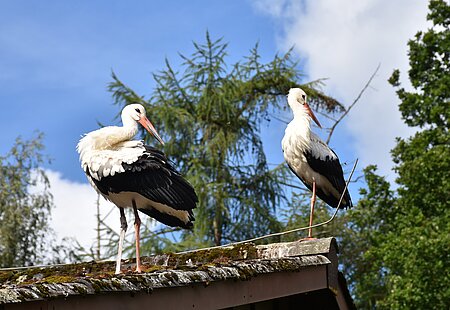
column 296, row 142
column 107, row 162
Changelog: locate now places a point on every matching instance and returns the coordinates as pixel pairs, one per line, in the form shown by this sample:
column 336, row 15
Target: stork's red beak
column 310, row 112
column 150, row 128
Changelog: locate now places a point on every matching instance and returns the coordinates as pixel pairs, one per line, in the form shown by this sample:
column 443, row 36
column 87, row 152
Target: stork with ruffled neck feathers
column 134, row 175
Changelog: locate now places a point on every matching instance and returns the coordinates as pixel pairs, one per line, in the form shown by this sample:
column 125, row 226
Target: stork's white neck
column 129, row 130
column 124, row 133
column 302, row 121
column 301, row 113
column 129, row 122
column 298, row 132
column 109, row 137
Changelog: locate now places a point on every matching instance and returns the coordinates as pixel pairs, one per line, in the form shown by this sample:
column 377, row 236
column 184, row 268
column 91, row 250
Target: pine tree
column 210, row 116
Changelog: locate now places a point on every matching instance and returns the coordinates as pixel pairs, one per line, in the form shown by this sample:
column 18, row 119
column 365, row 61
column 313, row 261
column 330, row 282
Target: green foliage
column 363, row 231
column 396, row 249
column 429, row 55
column 24, row 214
column 210, row 116
column 416, row 254
column 418, row 267
column 422, row 163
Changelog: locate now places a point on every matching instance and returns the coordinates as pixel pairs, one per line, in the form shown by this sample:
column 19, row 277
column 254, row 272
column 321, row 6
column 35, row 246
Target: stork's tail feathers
column 349, row 204
column 346, row 202
column 180, row 218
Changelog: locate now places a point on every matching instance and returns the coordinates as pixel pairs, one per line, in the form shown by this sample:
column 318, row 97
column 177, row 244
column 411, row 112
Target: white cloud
column 345, row 41
column 75, row 209
column 275, row 8
column 74, row 213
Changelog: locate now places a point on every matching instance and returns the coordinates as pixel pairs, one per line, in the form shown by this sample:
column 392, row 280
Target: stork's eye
column 304, row 97
column 137, row 110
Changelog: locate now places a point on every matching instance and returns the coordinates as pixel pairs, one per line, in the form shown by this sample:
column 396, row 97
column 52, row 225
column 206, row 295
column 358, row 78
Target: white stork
column 310, row 159
column 134, row 175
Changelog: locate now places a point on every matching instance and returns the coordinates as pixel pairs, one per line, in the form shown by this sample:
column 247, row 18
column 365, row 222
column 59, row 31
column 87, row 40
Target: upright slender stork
column 134, row 175
column 310, row 159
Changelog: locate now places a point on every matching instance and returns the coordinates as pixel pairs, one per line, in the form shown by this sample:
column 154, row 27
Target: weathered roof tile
column 241, row 262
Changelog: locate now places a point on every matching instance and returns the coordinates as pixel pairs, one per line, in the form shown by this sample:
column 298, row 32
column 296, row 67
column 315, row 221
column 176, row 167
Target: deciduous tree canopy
column 396, row 245
column 24, row 213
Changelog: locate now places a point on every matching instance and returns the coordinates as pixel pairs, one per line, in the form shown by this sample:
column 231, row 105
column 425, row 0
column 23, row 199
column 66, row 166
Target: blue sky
column 56, row 59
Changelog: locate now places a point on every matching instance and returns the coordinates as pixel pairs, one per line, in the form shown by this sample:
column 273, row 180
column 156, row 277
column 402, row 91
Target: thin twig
column 109, row 228
column 293, row 186
column 351, row 106
column 326, row 116
column 110, row 211
column 280, row 119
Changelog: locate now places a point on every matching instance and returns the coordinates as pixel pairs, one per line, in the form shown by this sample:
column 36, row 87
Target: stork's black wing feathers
column 330, row 168
column 155, row 178
column 330, row 200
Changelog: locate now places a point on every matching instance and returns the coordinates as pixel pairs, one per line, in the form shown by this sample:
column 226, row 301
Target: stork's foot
column 137, row 270
column 118, row 267
column 118, row 270
column 138, row 266
column 307, row 239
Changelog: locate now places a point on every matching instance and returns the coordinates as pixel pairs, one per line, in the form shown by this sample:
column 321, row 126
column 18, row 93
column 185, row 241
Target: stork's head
column 297, row 100
column 136, row 112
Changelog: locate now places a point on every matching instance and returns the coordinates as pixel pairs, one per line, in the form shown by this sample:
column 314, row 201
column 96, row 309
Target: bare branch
column 294, row 186
column 280, row 119
column 326, row 115
column 352, row 105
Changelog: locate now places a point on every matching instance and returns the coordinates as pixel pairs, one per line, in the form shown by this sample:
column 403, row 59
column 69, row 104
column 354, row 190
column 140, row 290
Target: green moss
column 25, row 295
column 116, row 284
column 101, row 276
column 204, row 267
column 60, row 279
column 152, row 268
column 6, row 276
column 246, row 273
column 42, row 289
column 80, row 289
column 195, row 277
column 172, row 276
column 57, row 274
column 218, row 255
column 98, row 285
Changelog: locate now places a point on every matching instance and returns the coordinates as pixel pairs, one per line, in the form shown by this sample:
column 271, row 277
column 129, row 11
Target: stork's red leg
column 311, row 215
column 137, row 226
column 123, row 229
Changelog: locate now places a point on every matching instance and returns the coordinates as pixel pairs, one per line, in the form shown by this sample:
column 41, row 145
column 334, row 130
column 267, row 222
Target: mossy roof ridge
column 96, row 269
column 167, row 270
column 148, row 281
